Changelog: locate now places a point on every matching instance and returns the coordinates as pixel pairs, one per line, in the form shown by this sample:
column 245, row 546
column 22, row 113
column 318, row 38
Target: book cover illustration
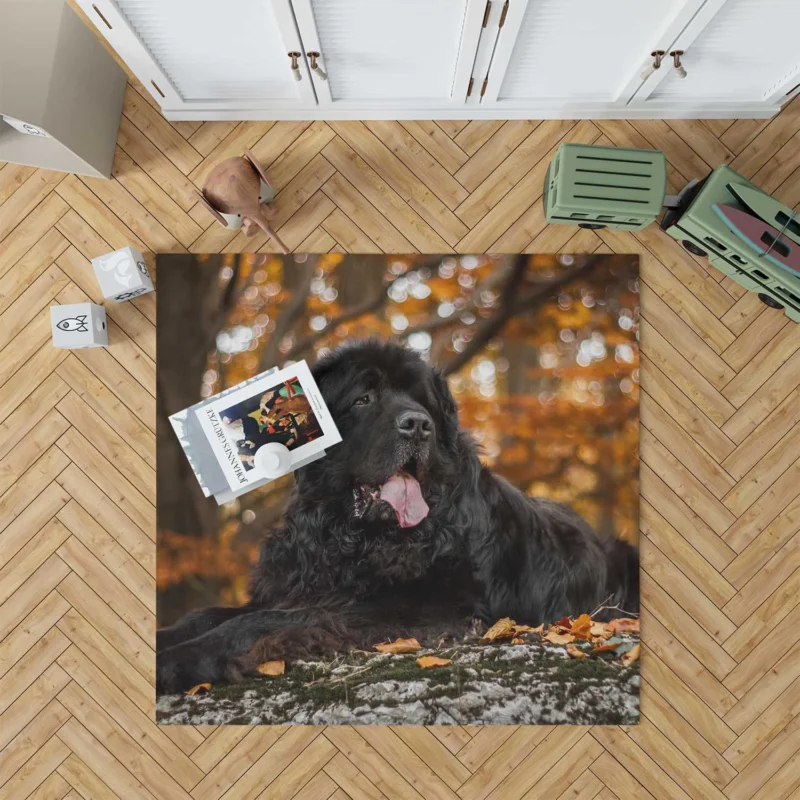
column 222, row 434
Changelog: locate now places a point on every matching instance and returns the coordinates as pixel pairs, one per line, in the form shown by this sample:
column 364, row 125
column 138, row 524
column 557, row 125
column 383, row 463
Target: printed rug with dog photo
column 398, row 489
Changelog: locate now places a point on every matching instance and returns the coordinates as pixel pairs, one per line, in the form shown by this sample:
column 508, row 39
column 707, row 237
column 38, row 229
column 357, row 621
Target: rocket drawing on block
column 78, row 325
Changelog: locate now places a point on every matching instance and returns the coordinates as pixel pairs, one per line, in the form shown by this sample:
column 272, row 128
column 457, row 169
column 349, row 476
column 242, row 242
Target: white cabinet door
column 561, row 54
column 196, row 54
column 737, row 51
column 390, row 54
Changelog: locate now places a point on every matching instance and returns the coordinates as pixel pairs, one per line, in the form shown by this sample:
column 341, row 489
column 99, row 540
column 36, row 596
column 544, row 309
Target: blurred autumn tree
column 541, row 354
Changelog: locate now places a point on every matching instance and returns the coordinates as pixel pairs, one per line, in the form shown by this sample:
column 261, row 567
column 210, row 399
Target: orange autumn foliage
column 399, row 646
column 555, row 420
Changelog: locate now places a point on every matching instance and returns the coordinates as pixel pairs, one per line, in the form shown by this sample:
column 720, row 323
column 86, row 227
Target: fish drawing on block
column 763, row 238
column 77, row 324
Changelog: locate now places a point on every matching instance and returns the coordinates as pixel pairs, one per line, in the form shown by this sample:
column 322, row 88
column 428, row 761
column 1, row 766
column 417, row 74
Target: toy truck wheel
column 592, row 226
column 769, row 301
column 693, row 248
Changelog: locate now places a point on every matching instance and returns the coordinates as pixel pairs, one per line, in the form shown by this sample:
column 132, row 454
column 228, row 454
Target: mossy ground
column 533, row 683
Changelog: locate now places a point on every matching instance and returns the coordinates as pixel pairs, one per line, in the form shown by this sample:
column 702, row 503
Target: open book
column 277, row 410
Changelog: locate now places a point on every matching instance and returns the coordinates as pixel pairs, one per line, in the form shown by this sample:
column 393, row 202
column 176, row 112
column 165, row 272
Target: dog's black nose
column 415, row 425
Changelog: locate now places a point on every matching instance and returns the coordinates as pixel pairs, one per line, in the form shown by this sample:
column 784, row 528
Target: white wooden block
column 78, row 325
column 122, row 274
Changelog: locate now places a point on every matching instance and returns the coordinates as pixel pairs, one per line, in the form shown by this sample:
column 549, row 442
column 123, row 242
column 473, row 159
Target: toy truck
column 744, row 232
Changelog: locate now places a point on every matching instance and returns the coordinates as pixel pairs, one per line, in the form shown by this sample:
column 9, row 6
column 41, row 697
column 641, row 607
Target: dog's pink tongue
column 403, row 494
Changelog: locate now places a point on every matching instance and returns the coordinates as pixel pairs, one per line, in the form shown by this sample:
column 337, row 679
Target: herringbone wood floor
column 720, row 505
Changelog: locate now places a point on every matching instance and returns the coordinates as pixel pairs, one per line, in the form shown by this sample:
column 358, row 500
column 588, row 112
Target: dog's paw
column 180, row 668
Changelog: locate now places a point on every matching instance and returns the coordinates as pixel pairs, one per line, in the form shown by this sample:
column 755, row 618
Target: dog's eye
column 362, row 401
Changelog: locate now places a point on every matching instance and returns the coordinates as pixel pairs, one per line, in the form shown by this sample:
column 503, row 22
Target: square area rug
column 461, row 547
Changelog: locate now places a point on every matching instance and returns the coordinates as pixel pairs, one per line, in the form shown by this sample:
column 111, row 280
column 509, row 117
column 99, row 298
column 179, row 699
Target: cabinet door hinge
column 486, row 13
column 503, row 15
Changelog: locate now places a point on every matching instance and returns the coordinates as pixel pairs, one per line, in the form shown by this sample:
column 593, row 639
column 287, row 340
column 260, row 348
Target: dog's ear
column 446, row 404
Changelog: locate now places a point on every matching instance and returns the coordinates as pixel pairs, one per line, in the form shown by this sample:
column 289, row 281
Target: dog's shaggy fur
column 347, row 570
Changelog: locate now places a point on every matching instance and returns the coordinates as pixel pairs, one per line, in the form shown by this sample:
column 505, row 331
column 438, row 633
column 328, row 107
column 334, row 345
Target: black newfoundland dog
column 398, row 531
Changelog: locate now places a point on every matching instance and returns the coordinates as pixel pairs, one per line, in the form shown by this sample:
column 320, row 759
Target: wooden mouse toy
column 236, row 193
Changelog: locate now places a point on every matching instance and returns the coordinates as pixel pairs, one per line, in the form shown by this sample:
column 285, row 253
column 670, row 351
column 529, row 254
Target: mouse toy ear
column 256, row 166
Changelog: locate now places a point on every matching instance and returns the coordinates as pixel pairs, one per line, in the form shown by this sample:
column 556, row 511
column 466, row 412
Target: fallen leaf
column 271, row 668
column 611, row 644
column 517, row 640
column 581, row 627
column 201, row 688
column 624, row 625
column 599, row 630
column 539, row 630
column 564, row 622
column 631, row 656
column 502, row 629
column 518, row 629
column 574, row 652
column 554, row 637
column 432, row 661
column 399, row 646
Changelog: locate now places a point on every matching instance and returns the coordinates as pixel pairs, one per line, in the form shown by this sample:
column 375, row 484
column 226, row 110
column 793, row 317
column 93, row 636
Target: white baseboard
column 699, row 111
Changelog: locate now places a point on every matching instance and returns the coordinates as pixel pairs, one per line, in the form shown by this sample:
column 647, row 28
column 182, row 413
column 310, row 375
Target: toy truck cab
column 702, row 231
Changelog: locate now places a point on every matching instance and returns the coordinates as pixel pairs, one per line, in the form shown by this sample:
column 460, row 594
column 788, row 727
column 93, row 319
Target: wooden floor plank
column 437, row 143
column 687, row 738
column 493, row 152
column 768, row 536
column 135, row 739
column 91, row 606
column 299, row 153
column 429, row 171
column 31, row 629
column 152, row 197
column 139, row 111
column 536, row 146
column 38, row 696
column 153, row 161
column 110, row 517
column 682, row 554
column 28, row 233
column 31, row 266
column 12, row 176
column 421, row 220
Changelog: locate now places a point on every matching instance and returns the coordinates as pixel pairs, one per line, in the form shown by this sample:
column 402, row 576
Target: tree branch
column 367, row 307
column 231, row 296
column 435, row 323
column 370, row 306
column 510, row 309
column 292, row 311
column 494, row 324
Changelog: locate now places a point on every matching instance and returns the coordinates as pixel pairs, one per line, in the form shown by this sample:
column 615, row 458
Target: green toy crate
column 702, row 232
column 598, row 187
